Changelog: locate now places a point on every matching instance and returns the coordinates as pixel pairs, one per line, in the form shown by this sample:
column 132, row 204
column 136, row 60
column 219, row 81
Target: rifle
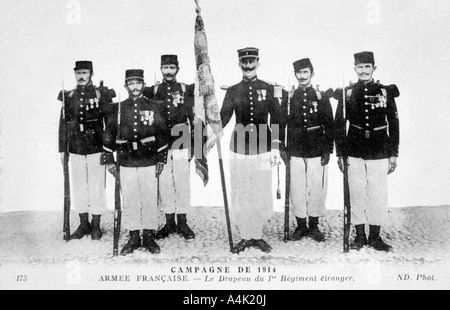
column 66, row 225
column 347, row 203
column 288, row 174
column 117, row 201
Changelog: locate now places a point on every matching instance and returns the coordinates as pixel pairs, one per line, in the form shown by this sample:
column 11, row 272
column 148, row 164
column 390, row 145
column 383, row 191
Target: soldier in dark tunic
column 310, row 141
column 141, row 142
column 177, row 107
column 370, row 139
column 254, row 145
column 85, row 111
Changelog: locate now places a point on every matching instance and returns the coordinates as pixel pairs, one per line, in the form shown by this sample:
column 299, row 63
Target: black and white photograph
column 224, row 145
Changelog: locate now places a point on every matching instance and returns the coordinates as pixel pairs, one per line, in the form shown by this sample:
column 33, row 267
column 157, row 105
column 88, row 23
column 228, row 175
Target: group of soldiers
column 272, row 124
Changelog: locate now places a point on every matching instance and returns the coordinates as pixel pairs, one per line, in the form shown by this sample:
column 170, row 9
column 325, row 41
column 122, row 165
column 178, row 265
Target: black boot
column 149, row 243
column 262, row 245
column 183, row 228
column 375, row 240
column 84, row 228
column 96, row 233
column 241, row 246
column 361, row 238
column 314, row 231
column 133, row 244
column 168, row 229
column 301, row 231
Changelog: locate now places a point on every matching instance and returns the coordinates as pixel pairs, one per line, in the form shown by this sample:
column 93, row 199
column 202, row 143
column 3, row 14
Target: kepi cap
column 302, row 64
column 364, row 58
column 248, row 52
column 83, row 64
column 134, row 74
column 169, row 60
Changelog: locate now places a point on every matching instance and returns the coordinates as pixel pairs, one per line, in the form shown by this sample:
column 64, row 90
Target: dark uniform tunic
column 86, row 114
column 374, row 124
column 310, row 124
column 140, row 119
column 252, row 101
column 176, row 103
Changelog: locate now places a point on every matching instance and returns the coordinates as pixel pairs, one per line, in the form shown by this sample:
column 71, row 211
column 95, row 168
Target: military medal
column 264, row 94
column 259, row 95
column 315, row 104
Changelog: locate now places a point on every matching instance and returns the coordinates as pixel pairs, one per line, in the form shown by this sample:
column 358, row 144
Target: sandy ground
column 419, row 235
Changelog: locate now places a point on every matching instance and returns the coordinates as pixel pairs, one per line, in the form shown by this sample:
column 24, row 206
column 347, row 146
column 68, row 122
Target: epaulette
column 391, row 89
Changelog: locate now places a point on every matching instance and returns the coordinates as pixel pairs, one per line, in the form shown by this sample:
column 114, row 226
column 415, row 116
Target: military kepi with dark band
column 364, row 58
column 83, row 64
column 169, row 60
column 134, row 74
column 302, row 64
column 248, row 52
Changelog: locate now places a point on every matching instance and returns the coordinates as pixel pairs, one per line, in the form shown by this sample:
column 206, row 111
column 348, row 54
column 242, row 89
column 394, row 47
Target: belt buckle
column 367, row 134
column 135, row 146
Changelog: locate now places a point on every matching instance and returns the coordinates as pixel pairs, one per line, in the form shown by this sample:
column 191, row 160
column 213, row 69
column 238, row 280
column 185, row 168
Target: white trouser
column 309, row 185
column 87, row 177
column 368, row 190
column 139, row 193
column 175, row 183
column 251, row 193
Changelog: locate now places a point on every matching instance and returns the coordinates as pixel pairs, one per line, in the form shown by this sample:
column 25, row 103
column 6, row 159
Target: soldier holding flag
column 254, row 145
column 370, row 141
column 177, row 107
column 142, row 146
column 309, row 145
column 80, row 134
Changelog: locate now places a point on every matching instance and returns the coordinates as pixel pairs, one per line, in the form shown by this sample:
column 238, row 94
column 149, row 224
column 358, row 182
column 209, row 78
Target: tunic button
column 168, row 106
column 367, row 125
column 135, row 136
column 81, row 106
column 135, row 117
column 250, row 87
column 168, row 100
column 366, row 89
column 135, row 124
column 81, row 112
column 81, row 99
column 367, row 111
column 135, row 129
column 367, row 117
column 168, row 88
column 251, row 98
column 135, row 111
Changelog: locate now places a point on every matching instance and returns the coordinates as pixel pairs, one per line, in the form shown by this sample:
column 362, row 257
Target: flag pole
column 219, row 151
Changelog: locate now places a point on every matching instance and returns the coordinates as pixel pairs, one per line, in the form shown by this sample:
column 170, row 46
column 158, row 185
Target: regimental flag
column 208, row 125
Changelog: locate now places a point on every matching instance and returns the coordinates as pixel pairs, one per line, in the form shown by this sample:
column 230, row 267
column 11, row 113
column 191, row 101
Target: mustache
column 81, row 80
column 169, row 75
column 247, row 69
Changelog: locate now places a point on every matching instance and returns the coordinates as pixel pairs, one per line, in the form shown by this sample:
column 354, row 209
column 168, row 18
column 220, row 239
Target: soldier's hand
column 62, row 158
column 325, row 159
column 111, row 169
column 392, row 164
column 159, row 169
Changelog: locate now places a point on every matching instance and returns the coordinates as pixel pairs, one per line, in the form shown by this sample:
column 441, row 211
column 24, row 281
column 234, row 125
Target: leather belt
column 367, row 132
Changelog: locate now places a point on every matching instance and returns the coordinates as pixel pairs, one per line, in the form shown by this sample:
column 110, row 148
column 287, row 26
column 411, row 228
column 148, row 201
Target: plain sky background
column 41, row 40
